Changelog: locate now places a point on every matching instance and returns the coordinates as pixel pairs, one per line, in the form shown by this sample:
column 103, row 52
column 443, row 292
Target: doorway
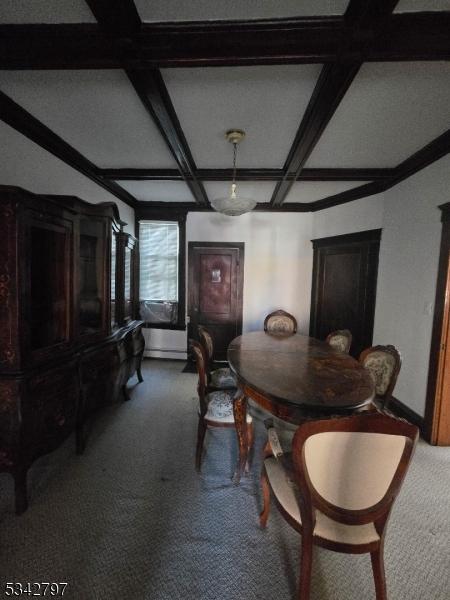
column 215, row 291
column 437, row 411
column 344, row 285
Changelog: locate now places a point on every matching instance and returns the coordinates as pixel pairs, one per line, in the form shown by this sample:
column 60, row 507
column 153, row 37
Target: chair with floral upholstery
column 338, row 485
column 340, row 340
column 383, row 364
column 222, row 378
column 280, row 321
column 216, row 406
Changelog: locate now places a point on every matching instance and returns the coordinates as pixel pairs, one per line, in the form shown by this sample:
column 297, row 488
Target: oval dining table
column 294, row 377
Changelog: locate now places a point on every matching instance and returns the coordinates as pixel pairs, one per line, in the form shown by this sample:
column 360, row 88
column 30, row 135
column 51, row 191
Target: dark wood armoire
column 68, row 338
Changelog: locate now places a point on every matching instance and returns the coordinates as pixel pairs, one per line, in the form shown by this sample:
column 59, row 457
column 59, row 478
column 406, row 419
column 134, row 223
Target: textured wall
column 278, row 266
column 407, row 275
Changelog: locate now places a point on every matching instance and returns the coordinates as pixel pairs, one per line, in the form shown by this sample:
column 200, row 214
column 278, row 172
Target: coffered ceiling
column 339, row 99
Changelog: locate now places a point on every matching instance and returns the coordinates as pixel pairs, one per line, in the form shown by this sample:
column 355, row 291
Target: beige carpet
column 131, row 519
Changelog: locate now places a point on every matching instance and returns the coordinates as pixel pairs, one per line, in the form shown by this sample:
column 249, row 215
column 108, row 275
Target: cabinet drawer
column 50, row 408
column 98, row 378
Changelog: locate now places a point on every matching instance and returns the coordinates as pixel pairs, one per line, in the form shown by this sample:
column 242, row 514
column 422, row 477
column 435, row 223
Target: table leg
column 240, row 420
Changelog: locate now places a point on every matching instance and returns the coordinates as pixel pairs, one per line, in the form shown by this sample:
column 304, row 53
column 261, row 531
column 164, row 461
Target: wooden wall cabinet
column 68, row 338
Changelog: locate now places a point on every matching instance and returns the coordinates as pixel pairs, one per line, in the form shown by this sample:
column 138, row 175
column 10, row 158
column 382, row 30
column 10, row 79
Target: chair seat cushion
column 287, row 492
column 220, row 407
column 223, row 379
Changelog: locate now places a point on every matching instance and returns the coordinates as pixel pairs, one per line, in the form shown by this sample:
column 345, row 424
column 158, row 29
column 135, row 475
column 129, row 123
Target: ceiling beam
column 247, row 174
column 119, row 17
column 430, row 153
column 427, row 155
column 331, row 87
column 150, row 87
column 143, row 174
column 362, row 191
column 399, row 37
column 21, row 120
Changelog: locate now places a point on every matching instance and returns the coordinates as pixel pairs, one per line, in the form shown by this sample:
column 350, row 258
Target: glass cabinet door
column 128, row 274
column 92, row 265
column 113, row 280
column 50, row 272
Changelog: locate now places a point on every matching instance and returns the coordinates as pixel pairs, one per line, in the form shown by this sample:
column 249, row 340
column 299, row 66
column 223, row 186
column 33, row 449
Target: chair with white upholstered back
column 338, row 486
column 221, row 378
column 383, row 364
column 216, row 406
column 340, row 340
column 280, row 321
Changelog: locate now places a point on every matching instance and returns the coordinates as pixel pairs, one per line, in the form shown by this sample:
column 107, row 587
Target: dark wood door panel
column 216, row 287
column 215, row 291
column 339, row 298
column 344, row 286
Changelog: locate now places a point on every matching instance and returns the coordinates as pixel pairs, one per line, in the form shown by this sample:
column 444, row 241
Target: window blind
column 158, row 244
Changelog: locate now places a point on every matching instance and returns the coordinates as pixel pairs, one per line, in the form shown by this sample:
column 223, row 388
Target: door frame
column 240, row 277
column 434, row 405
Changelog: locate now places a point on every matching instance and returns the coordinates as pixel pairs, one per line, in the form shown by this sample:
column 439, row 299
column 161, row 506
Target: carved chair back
column 351, row 468
column 280, row 321
column 340, row 340
column 201, row 362
column 383, row 364
column 207, row 341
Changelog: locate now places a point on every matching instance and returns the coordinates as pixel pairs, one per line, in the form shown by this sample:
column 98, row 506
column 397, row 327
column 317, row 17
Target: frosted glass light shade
column 233, row 207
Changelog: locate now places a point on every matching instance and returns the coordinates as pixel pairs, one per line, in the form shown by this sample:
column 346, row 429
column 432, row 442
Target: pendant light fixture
column 234, row 204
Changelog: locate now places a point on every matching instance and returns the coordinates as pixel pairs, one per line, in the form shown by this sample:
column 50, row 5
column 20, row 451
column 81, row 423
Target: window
column 159, row 276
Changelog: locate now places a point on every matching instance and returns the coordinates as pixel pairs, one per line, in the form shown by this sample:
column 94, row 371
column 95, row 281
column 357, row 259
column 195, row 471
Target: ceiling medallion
column 234, row 204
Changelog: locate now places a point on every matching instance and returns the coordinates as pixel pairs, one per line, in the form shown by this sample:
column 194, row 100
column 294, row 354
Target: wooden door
column 344, row 286
column 216, row 275
column 437, row 412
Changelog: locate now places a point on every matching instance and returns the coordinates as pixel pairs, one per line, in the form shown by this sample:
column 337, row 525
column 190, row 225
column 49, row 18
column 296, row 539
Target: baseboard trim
column 165, row 353
column 407, row 413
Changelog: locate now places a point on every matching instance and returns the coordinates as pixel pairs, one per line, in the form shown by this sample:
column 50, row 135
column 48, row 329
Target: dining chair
column 280, row 321
column 222, row 378
column 383, row 364
column 338, row 485
column 340, row 340
column 215, row 406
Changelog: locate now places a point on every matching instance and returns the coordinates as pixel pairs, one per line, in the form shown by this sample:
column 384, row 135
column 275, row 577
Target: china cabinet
column 68, row 338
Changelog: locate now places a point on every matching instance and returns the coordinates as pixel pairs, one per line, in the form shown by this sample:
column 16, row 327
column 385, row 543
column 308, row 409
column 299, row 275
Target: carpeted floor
column 131, row 519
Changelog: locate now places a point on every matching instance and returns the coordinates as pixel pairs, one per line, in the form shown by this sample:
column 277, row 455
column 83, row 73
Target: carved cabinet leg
column 138, row 368
column 126, row 397
column 20, row 487
column 240, row 420
column 80, row 439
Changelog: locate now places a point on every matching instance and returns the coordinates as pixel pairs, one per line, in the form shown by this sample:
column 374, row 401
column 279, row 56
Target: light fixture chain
column 234, row 161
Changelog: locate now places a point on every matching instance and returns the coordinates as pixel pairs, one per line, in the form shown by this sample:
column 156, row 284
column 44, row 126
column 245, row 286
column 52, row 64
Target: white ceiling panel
column 267, row 102
column 309, row 191
column 206, row 10
column 391, row 111
column 422, row 5
column 45, row 11
column 261, row 191
column 158, row 191
column 97, row 112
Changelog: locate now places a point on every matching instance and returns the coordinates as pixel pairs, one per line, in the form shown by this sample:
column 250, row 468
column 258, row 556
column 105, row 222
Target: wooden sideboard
column 68, row 338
